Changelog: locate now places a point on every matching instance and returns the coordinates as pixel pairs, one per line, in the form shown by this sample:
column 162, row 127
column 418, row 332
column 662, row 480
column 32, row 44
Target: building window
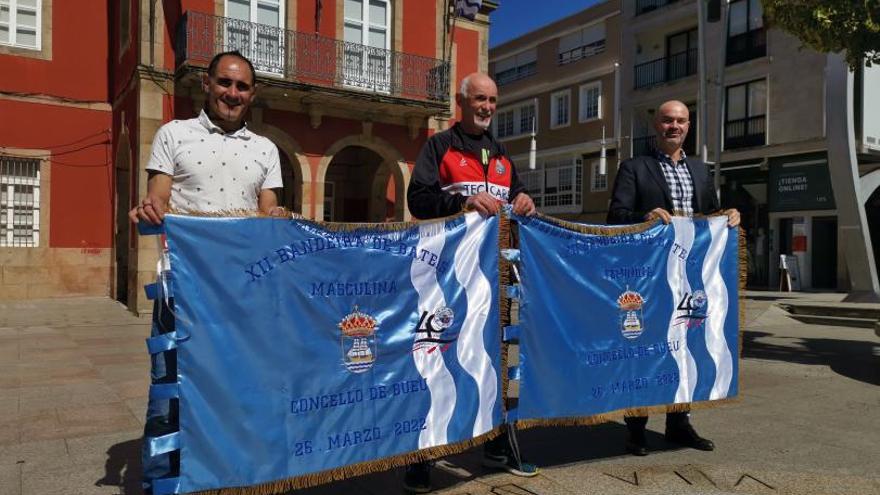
column 745, row 122
column 598, row 182
column 583, row 43
column 589, row 102
column 556, row 186
column 256, row 29
column 747, row 38
column 514, row 121
column 328, row 201
column 645, row 6
column 516, row 67
column 745, row 16
column 367, row 61
column 20, row 23
column 560, row 110
column 681, row 60
column 681, row 51
column 504, row 124
column 19, row 202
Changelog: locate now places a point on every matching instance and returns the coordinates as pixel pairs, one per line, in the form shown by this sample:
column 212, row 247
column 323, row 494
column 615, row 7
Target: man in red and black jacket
column 465, row 165
column 461, row 166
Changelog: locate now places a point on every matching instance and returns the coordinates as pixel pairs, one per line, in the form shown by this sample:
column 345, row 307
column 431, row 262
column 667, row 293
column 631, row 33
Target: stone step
column 840, row 309
column 836, row 321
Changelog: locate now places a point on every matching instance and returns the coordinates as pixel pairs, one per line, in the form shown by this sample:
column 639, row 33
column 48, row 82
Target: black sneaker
column 417, row 478
column 509, row 463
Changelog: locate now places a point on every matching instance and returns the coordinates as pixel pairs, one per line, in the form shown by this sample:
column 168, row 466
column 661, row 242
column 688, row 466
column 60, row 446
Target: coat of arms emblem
column 631, row 317
column 358, row 341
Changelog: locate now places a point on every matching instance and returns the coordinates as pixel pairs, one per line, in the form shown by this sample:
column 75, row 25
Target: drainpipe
column 720, row 97
column 617, row 111
column 152, row 35
column 701, row 64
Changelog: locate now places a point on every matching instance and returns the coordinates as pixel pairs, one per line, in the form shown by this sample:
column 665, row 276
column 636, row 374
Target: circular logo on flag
column 444, row 317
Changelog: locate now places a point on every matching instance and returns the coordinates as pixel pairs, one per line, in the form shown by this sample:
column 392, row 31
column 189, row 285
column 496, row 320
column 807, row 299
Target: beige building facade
column 765, row 109
column 561, row 79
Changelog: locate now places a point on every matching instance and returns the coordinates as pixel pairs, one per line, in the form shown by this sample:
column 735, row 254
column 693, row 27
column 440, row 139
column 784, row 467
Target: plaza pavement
column 73, row 384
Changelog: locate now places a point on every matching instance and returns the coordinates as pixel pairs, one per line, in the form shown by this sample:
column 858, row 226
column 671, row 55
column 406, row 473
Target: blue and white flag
column 626, row 317
column 467, row 8
column 308, row 353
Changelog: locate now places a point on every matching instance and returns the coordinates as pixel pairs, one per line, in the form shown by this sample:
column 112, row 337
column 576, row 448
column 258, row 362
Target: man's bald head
column 477, row 99
column 671, row 106
column 475, row 79
column 672, row 122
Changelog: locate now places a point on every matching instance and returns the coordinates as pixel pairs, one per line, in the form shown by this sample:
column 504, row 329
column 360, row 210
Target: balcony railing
column 645, row 6
column 665, row 69
column 746, row 46
column 743, row 133
column 581, row 52
column 313, row 59
column 516, row 73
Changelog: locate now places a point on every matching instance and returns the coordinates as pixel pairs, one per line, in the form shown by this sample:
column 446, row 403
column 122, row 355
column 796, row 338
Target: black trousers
column 673, row 419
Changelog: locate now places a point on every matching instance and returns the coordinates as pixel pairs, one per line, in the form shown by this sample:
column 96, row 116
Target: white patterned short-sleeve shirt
column 212, row 170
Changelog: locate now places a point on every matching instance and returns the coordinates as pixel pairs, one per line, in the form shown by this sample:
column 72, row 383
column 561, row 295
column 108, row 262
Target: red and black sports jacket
column 447, row 171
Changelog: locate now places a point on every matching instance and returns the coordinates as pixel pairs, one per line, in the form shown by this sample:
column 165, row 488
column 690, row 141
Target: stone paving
column 73, row 384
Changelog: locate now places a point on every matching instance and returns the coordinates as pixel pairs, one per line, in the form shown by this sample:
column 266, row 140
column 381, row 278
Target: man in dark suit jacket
column 656, row 187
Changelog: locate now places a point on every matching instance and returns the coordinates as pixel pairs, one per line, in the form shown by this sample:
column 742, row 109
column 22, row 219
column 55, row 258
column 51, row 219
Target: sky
column 517, row 17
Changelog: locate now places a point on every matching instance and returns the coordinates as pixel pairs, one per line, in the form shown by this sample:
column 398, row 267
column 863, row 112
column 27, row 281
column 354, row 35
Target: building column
column 142, row 265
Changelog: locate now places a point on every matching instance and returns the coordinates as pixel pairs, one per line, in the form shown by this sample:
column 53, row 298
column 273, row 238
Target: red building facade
column 348, row 90
column 56, row 177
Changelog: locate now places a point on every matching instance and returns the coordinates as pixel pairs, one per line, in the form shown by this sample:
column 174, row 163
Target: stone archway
column 296, row 173
column 384, row 169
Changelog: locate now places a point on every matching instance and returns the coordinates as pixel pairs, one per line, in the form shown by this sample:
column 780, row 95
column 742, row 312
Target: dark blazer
column 640, row 187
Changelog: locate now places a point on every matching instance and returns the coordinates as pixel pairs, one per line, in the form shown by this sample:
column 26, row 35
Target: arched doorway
column 122, row 234
column 290, row 196
column 361, row 186
column 296, row 176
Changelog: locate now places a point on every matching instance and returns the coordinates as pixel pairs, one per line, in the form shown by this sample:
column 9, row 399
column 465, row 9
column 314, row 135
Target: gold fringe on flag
column 352, row 470
column 504, row 267
column 619, row 414
column 328, row 226
column 597, row 229
column 662, row 408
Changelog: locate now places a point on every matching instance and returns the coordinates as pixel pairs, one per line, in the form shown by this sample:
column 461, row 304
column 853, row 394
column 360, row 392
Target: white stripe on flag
column 676, row 276
column 431, row 366
column 716, row 292
column 471, row 349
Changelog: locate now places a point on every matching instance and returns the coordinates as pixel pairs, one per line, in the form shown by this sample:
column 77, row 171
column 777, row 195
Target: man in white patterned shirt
column 206, row 164
column 658, row 186
column 213, row 162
